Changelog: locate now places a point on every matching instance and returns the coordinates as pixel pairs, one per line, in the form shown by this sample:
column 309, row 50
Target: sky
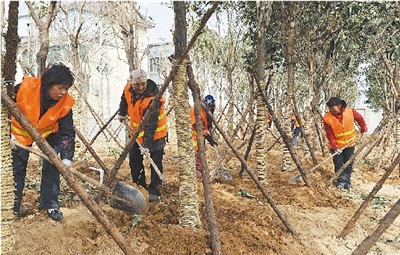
column 162, row 16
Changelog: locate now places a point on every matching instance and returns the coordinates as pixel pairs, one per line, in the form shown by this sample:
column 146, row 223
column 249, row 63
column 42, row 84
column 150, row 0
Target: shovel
column 124, row 197
column 222, row 171
column 298, row 177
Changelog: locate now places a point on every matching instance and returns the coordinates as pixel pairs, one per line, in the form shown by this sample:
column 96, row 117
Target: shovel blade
column 224, row 173
column 296, row 178
column 127, row 198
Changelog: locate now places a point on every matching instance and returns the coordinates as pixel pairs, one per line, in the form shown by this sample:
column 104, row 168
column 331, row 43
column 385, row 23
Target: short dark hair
column 335, row 101
column 57, row 74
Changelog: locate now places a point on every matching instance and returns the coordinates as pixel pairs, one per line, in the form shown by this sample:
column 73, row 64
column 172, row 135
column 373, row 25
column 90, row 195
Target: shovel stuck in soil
column 124, row 197
column 298, row 177
column 222, row 171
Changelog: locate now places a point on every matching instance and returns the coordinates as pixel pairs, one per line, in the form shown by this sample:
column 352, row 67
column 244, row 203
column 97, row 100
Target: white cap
column 138, row 76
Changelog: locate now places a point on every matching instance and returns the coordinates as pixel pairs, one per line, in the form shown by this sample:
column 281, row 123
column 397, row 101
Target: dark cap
column 209, row 101
column 335, row 101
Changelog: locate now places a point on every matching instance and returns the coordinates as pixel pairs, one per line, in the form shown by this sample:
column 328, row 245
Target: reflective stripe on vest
column 203, row 115
column 344, row 133
column 45, row 132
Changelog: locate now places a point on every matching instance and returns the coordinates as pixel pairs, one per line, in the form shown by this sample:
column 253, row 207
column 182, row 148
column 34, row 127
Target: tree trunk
column 41, row 55
column 189, row 205
column 80, row 118
column 7, row 181
column 288, row 42
column 263, row 11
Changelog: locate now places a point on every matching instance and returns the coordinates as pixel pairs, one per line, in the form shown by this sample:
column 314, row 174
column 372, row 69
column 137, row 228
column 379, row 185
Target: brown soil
column 246, row 225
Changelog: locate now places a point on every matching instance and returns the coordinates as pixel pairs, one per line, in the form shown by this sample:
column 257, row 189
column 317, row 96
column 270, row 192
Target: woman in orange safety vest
column 48, row 106
column 341, row 133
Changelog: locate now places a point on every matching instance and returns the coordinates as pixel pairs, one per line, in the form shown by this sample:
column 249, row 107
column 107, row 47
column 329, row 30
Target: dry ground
column 246, row 225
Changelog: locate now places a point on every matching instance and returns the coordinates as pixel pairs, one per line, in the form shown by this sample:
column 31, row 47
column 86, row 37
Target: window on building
column 154, row 65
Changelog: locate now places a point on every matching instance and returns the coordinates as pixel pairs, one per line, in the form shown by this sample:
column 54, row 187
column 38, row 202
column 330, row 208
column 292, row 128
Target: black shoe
column 55, row 214
column 341, row 185
column 153, row 197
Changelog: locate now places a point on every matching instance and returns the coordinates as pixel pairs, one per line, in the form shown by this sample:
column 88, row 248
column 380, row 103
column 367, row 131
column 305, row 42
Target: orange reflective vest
column 344, row 133
column 137, row 110
column 268, row 119
column 203, row 115
column 296, row 123
column 28, row 101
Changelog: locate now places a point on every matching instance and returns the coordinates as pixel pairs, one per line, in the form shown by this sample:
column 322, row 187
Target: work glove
column 12, row 144
column 143, row 150
column 211, row 140
column 338, row 151
column 121, row 118
column 206, row 132
column 67, row 162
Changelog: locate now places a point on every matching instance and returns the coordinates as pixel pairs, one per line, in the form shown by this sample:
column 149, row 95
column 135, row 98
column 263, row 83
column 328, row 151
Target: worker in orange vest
column 269, row 120
column 209, row 102
column 137, row 96
column 48, row 106
column 340, row 131
column 296, row 128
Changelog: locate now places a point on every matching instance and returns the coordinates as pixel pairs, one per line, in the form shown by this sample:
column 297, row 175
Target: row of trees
column 313, row 50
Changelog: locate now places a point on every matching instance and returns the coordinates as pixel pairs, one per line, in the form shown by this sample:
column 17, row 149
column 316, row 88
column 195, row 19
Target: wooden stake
column 111, row 229
column 384, row 223
column 371, row 195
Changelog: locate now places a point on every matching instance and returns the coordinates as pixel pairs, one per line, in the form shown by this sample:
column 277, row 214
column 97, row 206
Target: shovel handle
column 72, row 170
column 162, row 178
column 298, row 177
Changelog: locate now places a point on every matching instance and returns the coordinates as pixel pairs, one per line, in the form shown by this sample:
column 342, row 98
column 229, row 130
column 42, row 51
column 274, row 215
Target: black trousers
column 137, row 169
column 50, row 182
column 341, row 159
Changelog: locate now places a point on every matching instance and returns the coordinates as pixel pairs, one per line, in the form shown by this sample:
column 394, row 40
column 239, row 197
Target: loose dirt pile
column 246, row 225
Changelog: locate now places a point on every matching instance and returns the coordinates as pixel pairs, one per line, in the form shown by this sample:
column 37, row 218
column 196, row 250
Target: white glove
column 12, row 139
column 67, row 162
column 121, row 118
column 143, row 150
column 338, row 151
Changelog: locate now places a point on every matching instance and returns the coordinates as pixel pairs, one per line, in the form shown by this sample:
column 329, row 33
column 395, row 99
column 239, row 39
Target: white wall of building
column 371, row 118
column 107, row 68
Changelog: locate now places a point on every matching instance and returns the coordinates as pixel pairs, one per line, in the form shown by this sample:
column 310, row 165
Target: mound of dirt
column 246, row 225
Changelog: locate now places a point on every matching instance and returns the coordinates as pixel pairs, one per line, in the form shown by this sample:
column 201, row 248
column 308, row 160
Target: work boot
column 341, row 185
column 153, row 197
column 55, row 214
column 154, row 194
